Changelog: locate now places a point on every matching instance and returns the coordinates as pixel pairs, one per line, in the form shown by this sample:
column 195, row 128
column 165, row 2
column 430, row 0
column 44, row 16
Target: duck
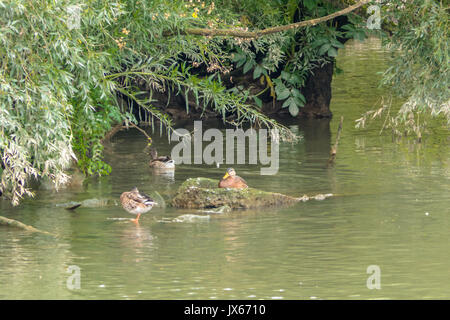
column 231, row 180
column 136, row 203
column 162, row 162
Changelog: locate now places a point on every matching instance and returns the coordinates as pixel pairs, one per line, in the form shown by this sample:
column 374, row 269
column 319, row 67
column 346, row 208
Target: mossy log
column 17, row 224
column 199, row 193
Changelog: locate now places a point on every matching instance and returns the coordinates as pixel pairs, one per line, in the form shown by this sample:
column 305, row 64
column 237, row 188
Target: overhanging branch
column 259, row 33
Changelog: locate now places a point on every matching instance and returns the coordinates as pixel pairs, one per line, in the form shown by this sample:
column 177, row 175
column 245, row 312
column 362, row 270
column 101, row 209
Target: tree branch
column 17, row 224
column 141, row 130
column 333, row 150
column 259, row 33
column 119, row 127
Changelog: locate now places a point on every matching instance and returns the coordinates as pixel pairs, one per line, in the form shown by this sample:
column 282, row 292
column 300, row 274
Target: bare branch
column 259, row 33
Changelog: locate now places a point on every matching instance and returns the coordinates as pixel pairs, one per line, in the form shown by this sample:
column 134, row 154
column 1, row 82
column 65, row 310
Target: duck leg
column 137, row 218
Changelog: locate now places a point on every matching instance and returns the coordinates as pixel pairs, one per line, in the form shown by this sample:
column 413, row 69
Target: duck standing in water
column 136, row 203
column 162, row 162
column 231, row 180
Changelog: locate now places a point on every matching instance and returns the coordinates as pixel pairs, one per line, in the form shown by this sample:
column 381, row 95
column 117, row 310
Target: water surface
column 391, row 209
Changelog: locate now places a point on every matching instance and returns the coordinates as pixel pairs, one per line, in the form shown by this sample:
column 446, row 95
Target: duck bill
column 226, row 176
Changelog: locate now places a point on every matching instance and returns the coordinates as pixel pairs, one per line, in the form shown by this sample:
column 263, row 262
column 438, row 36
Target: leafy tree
column 417, row 38
column 60, row 77
column 60, row 80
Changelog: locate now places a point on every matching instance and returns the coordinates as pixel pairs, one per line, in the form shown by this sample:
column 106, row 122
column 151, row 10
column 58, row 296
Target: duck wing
column 140, row 197
column 164, row 159
column 242, row 179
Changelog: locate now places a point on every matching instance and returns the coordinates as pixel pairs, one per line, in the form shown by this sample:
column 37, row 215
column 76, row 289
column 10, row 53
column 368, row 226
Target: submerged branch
column 259, row 33
column 333, row 150
column 17, row 224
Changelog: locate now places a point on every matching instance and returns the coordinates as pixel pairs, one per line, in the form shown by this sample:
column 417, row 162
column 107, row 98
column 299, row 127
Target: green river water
column 391, row 210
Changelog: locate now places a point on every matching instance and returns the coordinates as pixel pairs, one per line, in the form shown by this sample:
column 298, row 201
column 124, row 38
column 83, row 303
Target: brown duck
column 161, row 162
column 136, row 202
column 231, row 180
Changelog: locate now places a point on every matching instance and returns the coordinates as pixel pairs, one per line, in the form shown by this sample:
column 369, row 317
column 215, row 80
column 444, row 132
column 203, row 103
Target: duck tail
column 153, row 153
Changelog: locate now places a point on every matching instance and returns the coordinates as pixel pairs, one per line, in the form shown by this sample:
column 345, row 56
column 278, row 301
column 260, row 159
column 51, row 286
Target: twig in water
column 333, row 150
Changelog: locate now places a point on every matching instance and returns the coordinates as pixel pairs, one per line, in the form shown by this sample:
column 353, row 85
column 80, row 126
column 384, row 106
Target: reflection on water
column 390, row 209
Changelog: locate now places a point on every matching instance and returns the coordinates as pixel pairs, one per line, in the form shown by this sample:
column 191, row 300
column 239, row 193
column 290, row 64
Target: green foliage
column 419, row 71
column 328, row 46
column 286, row 89
column 354, row 32
column 88, row 129
column 420, row 47
column 296, row 52
column 59, row 83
